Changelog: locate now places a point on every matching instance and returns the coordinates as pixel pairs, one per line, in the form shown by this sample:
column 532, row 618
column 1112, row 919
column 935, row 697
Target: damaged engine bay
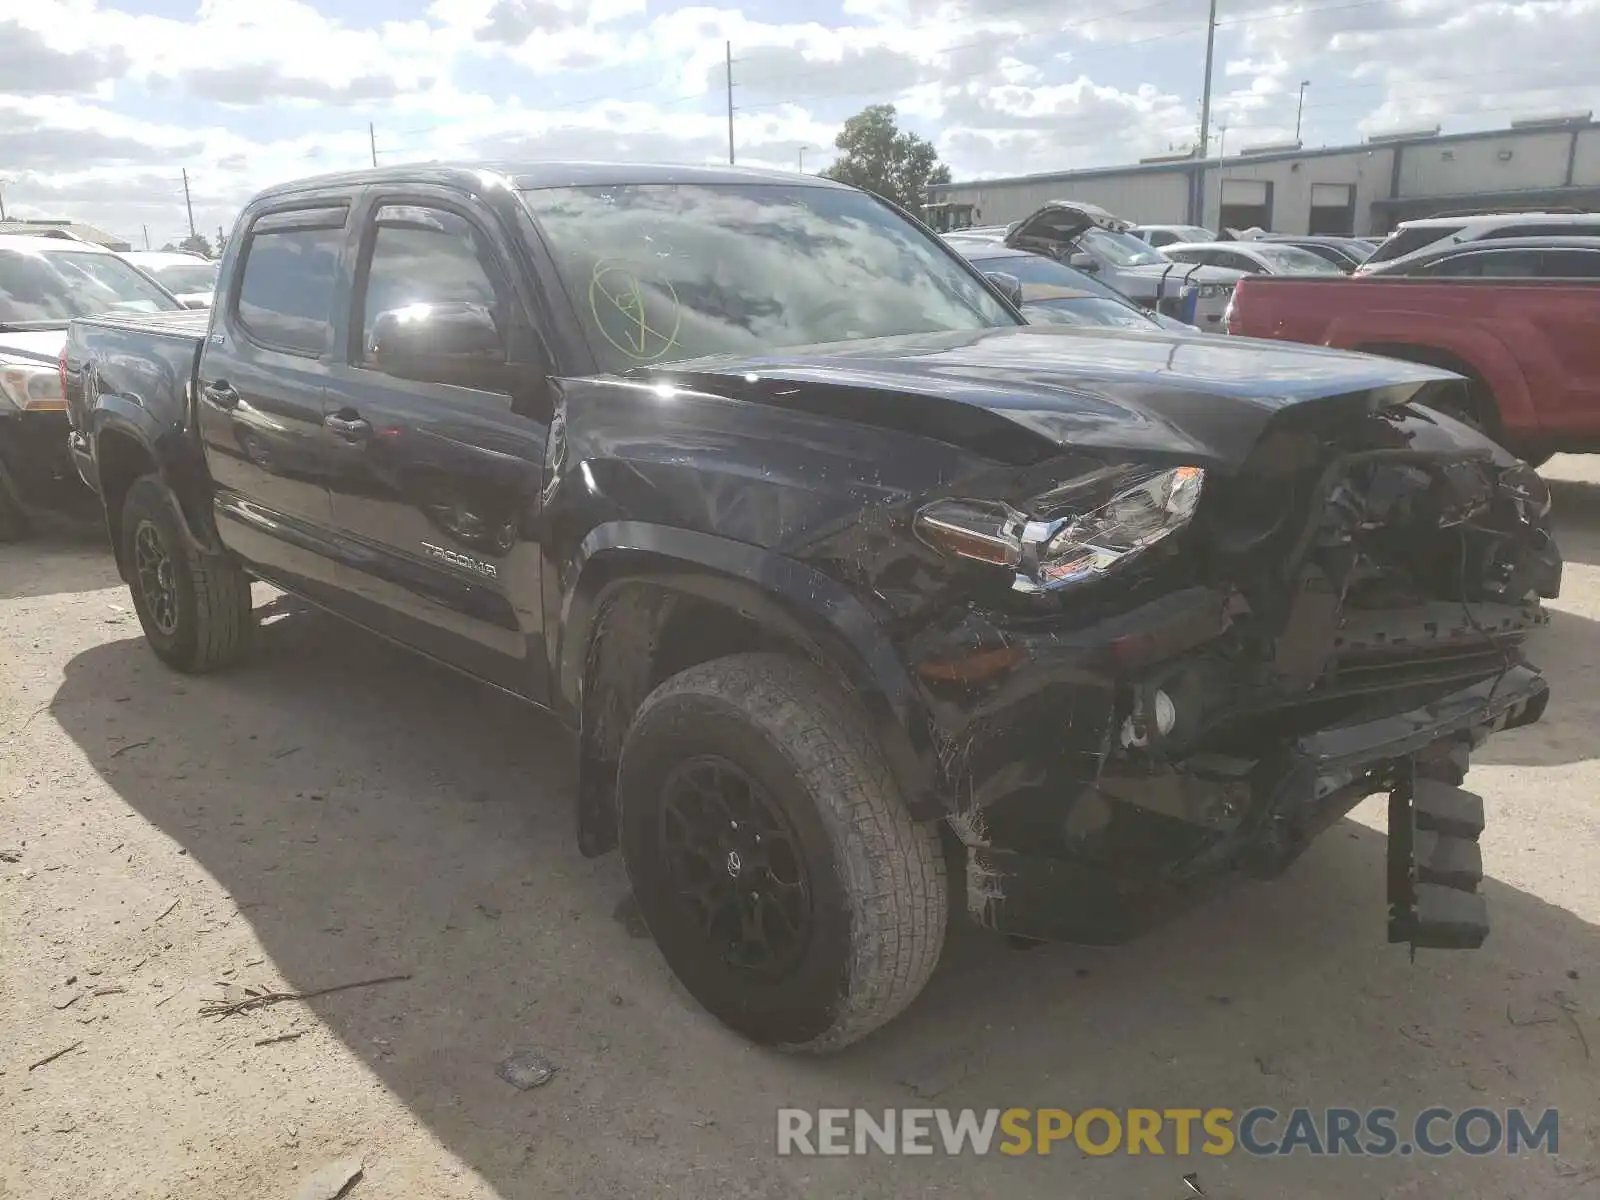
column 1211, row 667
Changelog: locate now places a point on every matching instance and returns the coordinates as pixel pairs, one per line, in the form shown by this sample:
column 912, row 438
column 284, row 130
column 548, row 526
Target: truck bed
column 137, row 365
column 132, row 373
column 188, row 322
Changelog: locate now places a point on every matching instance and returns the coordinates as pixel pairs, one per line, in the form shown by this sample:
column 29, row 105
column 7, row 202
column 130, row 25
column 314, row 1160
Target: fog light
column 1136, row 725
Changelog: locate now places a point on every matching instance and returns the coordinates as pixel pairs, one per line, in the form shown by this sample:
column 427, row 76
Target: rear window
column 1405, row 240
column 286, row 292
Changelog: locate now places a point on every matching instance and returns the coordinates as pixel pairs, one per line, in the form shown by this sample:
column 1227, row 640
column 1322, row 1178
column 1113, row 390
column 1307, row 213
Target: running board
column 1435, row 865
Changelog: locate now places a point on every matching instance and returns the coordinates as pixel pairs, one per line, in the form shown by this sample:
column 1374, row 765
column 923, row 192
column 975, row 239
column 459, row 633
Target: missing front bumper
column 1327, row 773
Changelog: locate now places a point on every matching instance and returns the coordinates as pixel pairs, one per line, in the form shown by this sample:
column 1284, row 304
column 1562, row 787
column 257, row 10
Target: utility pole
column 803, row 150
column 219, row 241
column 187, row 203
column 1198, row 194
column 1301, row 108
column 372, row 138
column 728, row 47
column 2, row 204
column 1222, row 154
column 147, row 237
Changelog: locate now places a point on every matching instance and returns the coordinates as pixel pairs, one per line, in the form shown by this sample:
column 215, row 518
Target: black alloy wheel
column 193, row 604
column 772, row 855
column 736, row 865
column 153, row 576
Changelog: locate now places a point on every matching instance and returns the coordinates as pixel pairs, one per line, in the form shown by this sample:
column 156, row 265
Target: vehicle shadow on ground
column 370, row 814
column 1568, row 652
column 59, row 557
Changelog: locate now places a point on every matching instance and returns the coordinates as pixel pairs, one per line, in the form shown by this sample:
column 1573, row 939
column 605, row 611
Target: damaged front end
column 1159, row 676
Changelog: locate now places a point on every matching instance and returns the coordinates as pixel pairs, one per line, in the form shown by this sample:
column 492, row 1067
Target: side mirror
column 455, row 343
column 1083, row 262
column 1009, row 284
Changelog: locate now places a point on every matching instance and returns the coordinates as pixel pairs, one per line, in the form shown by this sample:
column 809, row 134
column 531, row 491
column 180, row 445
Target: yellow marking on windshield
column 618, row 304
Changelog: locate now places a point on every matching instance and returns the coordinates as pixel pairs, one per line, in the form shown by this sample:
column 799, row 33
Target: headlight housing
column 1082, row 530
column 32, row 389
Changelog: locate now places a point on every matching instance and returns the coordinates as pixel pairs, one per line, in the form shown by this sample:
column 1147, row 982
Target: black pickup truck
column 868, row 604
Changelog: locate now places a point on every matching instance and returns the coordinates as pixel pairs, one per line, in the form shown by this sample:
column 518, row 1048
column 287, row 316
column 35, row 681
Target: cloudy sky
column 103, row 103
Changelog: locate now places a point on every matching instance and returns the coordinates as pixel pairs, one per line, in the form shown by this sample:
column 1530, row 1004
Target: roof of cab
column 527, row 175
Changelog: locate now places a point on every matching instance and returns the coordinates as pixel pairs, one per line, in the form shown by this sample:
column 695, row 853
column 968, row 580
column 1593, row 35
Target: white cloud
column 103, row 104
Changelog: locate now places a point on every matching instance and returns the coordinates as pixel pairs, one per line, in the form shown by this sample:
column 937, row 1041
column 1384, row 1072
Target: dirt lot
column 338, row 811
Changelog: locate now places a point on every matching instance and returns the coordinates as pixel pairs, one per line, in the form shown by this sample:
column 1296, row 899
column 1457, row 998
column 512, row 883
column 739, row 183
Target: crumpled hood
column 34, row 346
column 1026, row 393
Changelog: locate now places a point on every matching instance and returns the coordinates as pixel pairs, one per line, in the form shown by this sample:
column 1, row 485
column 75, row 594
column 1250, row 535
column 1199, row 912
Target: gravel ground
column 338, row 811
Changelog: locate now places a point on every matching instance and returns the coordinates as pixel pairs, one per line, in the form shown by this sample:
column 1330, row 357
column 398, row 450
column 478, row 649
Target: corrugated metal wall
column 1492, row 163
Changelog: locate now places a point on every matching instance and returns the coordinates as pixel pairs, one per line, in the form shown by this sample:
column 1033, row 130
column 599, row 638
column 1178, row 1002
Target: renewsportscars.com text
column 1217, row 1131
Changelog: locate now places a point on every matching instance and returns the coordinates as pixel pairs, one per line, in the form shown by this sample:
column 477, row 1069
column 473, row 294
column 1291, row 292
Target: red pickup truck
column 1530, row 348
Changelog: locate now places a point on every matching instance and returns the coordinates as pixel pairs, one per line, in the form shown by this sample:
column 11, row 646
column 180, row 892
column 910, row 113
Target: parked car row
column 44, row 283
column 189, row 277
column 1092, row 240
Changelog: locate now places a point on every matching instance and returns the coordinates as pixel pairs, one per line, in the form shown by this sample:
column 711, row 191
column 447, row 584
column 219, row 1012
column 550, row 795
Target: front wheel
column 194, row 606
column 772, row 856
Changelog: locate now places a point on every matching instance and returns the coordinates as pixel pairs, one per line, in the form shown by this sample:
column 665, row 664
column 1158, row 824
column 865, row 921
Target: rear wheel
column 772, row 856
column 194, row 606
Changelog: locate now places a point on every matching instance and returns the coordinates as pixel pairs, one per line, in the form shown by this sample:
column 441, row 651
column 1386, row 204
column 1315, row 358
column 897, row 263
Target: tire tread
column 222, row 607
column 894, row 866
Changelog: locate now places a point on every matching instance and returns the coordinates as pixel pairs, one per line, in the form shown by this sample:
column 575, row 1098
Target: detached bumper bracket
column 1435, row 865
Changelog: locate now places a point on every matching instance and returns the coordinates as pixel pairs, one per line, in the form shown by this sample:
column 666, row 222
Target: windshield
column 54, row 286
column 1120, row 249
column 1292, row 260
column 186, row 277
column 666, row 271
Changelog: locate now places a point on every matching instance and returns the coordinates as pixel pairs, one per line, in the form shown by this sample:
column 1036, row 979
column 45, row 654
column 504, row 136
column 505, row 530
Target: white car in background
column 1161, row 236
column 1253, row 258
column 187, row 276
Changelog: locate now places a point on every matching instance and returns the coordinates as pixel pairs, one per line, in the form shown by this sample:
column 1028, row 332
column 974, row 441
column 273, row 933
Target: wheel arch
column 1483, row 362
column 125, row 449
column 648, row 602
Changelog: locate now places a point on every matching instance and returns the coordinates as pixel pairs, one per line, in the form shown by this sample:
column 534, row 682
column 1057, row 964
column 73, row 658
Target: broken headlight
column 1081, row 530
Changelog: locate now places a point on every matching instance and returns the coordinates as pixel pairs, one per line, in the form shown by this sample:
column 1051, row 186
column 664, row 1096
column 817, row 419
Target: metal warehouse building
column 1362, row 189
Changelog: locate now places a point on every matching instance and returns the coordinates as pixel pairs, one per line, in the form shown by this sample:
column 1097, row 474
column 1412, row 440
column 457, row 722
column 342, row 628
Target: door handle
column 352, row 429
column 221, row 394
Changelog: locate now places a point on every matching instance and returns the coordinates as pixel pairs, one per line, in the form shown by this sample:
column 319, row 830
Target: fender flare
column 780, row 594
column 123, row 417
column 1478, row 348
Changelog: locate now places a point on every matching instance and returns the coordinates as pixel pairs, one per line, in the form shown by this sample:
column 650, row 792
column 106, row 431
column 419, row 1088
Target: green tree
column 196, row 243
column 877, row 156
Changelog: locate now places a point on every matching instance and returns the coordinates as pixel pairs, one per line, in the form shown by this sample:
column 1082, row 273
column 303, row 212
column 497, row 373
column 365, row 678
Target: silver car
column 1093, row 240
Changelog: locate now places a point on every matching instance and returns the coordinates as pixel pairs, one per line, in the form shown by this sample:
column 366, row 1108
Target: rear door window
column 291, row 266
column 1569, row 264
column 1489, row 264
